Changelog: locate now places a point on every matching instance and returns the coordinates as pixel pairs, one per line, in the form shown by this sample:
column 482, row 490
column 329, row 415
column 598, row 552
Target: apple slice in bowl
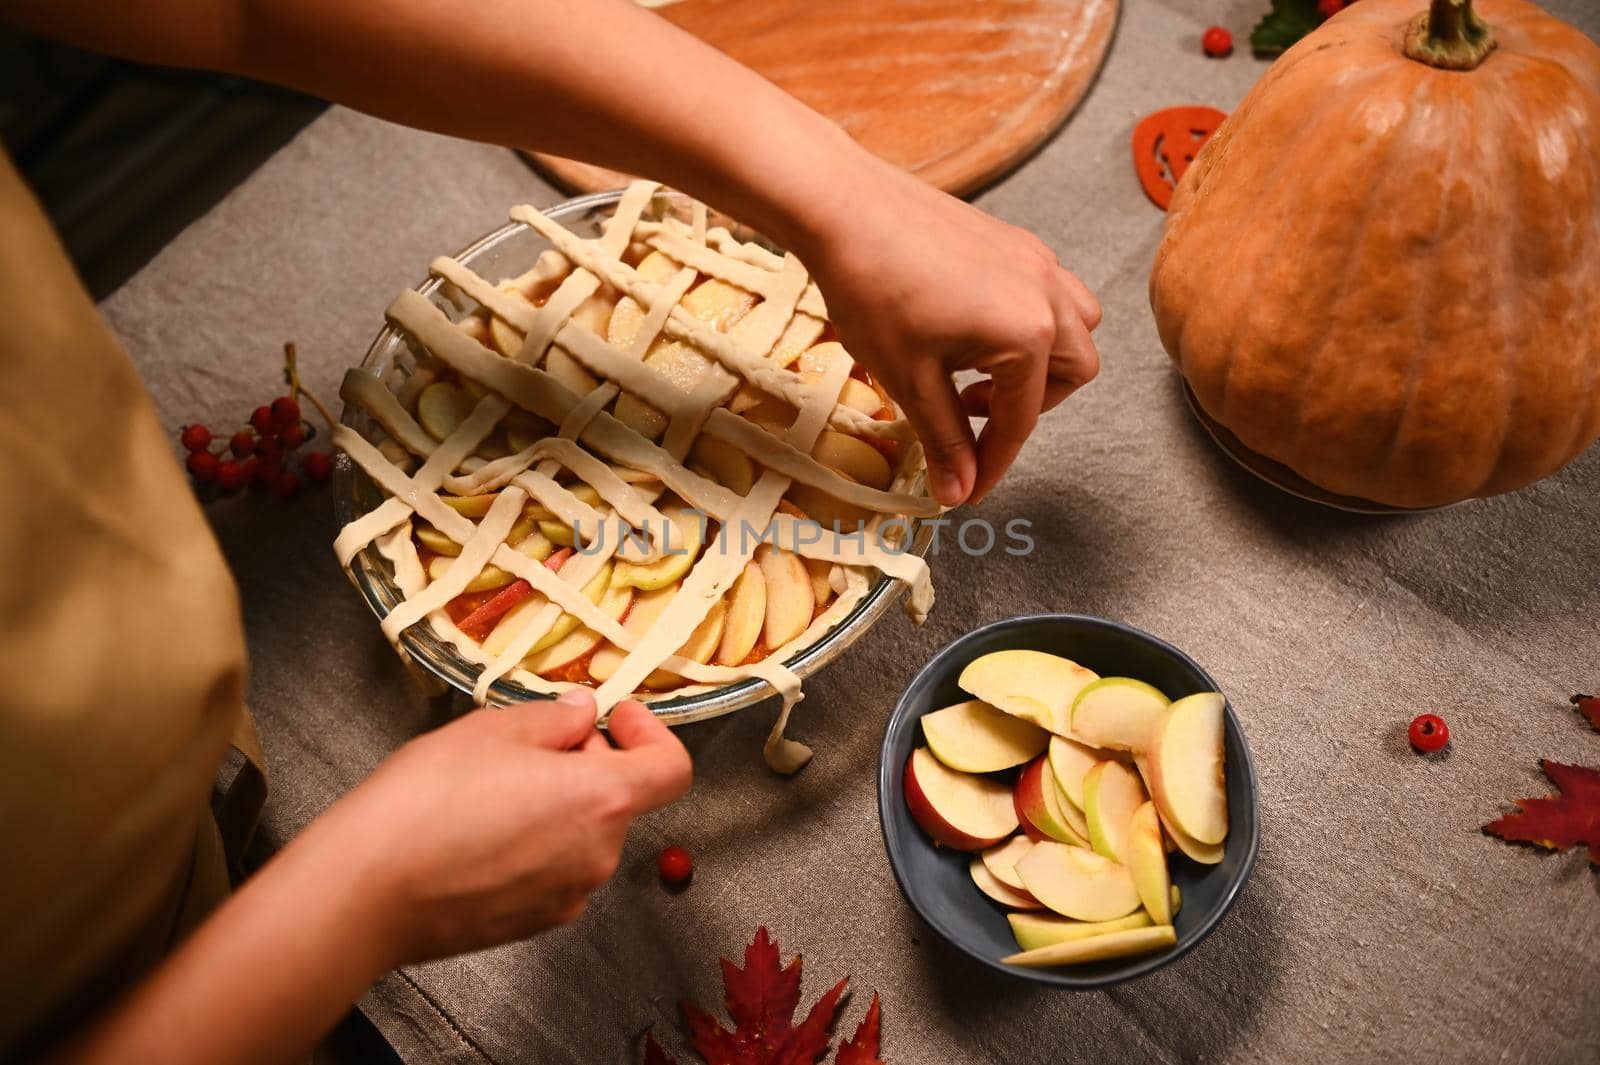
column 939, row 884
column 957, row 810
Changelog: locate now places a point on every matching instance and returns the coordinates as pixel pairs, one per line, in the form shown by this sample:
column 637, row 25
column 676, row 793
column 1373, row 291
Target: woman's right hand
column 500, row 824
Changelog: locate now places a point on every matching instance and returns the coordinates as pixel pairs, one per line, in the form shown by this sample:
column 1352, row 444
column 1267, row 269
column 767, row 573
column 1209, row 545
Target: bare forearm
column 260, row 981
column 599, row 80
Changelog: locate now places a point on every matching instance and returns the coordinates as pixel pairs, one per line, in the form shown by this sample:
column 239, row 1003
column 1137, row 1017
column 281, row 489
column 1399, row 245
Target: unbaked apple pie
column 645, row 465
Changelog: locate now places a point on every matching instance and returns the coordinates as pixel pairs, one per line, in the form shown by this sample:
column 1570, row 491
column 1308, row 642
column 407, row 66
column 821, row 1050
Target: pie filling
column 646, row 466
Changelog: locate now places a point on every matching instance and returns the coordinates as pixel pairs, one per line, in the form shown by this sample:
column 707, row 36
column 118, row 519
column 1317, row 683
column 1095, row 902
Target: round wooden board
column 955, row 91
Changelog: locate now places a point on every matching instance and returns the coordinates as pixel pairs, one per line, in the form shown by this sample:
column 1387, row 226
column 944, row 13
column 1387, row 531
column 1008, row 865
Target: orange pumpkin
column 1383, row 271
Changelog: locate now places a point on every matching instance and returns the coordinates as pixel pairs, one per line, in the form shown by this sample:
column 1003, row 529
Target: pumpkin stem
column 1450, row 36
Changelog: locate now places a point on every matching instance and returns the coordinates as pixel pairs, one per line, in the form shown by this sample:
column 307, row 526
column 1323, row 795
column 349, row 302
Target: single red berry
column 285, row 412
column 293, row 435
column 286, row 484
column 267, row 471
column 269, row 449
column 1429, row 733
column 675, row 865
column 195, row 437
column 242, row 444
column 202, row 465
column 261, row 421
column 230, row 476
column 318, row 465
column 1217, row 42
column 248, row 468
column 1329, row 8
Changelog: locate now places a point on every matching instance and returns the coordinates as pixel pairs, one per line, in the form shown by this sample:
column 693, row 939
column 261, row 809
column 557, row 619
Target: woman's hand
column 499, row 825
column 486, row 830
column 920, row 285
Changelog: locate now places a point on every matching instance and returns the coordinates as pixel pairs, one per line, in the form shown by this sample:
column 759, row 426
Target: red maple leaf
column 1589, row 707
column 1559, row 821
column 862, row 1049
column 762, row 998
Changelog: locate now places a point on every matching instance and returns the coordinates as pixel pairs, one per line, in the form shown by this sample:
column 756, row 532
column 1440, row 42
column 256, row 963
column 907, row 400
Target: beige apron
column 121, row 659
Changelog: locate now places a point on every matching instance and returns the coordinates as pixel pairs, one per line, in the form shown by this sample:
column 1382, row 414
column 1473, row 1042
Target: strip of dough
column 775, row 380
column 715, row 572
column 475, row 554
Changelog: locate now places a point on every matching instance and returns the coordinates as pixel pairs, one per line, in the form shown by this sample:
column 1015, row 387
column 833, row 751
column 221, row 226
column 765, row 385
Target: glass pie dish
column 455, row 294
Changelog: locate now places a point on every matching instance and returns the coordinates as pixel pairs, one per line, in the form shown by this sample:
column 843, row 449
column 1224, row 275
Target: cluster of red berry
column 1217, row 42
column 264, row 452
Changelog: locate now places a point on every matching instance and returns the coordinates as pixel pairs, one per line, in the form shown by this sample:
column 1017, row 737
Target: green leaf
column 1286, row 23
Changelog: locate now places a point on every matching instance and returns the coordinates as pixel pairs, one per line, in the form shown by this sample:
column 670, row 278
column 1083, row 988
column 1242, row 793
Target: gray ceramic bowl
column 935, row 880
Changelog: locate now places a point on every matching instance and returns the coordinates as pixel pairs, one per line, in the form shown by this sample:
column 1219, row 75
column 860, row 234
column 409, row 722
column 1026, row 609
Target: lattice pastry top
column 616, row 469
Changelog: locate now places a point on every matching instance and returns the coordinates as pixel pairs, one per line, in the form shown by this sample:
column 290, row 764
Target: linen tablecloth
column 1379, row 924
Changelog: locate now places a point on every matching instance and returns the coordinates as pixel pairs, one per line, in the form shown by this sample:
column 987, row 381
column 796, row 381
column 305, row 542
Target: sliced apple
column 1204, row 853
column 683, row 547
column 772, row 414
column 830, row 513
column 1185, row 764
column 647, row 607
column 1037, row 799
column 974, row 737
column 657, row 266
column 517, row 618
column 820, row 358
column 727, row 465
column 699, row 647
column 1078, row 883
column 1118, row 713
column 860, row 396
column 1034, row 686
column 958, row 810
column 569, row 371
column 594, row 313
column 1062, row 807
column 1175, row 838
column 1069, row 761
column 594, row 590
column 790, row 601
column 801, row 332
column 747, row 614
column 1035, row 930
column 533, row 544
column 853, row 457
column 1098, row 948
column 678, row 363
column 475, row 327
column 442, row 407
column 557, row 532
column 816, row 361
column 1002, row 861
column 1111, row 793
column 580, row 641
column 436, row 541
column 523, row 430
column 821, row 571
column 622, row 328
column 626, row 318
column 992, row 887
column 515, row 621
column 486, row 579
column 1146, row 858
column 718, row 303
column 470, row 506
column 1029, row 829
column 506, row 339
